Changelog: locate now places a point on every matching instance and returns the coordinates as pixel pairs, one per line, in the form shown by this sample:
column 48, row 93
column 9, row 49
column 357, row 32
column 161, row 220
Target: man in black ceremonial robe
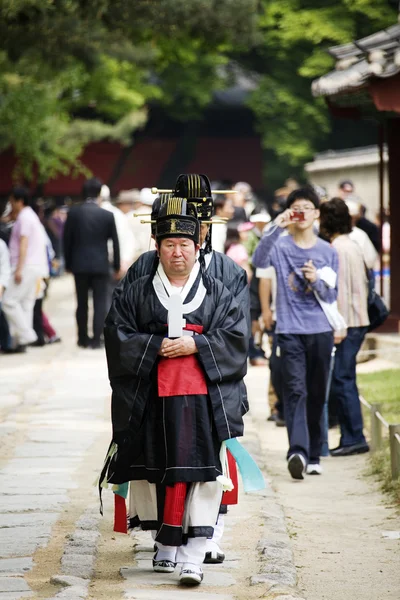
column 197, row 190
column 176, row 344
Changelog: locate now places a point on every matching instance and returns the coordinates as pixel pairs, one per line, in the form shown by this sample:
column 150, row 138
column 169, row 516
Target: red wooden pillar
column 393, row 140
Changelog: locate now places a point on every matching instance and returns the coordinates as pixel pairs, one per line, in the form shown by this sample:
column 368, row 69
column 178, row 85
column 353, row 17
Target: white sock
column 192, row 553
column 213, row 543
column 166, row 552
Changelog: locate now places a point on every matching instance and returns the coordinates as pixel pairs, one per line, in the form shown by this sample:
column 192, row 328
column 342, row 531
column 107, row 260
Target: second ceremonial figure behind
column 175, row 399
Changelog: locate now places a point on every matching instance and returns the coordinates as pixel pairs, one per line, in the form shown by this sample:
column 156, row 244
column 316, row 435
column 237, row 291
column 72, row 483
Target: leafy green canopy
column 296, row 35
column 75, row 71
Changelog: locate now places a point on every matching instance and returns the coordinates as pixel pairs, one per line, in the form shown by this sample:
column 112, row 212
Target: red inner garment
column 181, row 376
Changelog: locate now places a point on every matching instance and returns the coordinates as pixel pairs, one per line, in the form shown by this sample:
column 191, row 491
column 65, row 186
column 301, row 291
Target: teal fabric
column 253, row 479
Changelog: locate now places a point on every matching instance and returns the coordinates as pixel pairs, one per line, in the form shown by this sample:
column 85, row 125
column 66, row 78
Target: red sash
column 232, row 496
column 181, row 376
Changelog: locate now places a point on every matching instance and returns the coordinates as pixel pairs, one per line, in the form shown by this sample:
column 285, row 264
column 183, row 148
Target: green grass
column 382, row 387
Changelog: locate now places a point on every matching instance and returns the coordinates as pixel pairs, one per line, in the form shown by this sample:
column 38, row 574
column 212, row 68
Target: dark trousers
column 98, row 284
column 5, row 337
column 305, row 363
column 112, row 284
column 255, row 351
column 38, row 321
column 344, row 387
column 275, row 366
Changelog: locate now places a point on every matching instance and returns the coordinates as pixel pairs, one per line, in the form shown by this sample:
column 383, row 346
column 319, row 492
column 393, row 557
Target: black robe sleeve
column 129, row 352
column 234, row 279
column 131, row 356
column 222, row 350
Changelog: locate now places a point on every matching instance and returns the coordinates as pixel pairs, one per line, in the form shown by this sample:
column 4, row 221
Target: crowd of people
column 284, row 285
column 27, row 259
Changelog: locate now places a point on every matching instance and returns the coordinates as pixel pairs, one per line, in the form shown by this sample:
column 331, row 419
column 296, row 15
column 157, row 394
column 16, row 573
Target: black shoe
column 17, row 350
column 297, row 466
column 163, row 566
column 214, row 558
column 280, row 422
column 83, row 343
column 96, row 345
column 273, row 417
column 38, row 344
column 360, row 448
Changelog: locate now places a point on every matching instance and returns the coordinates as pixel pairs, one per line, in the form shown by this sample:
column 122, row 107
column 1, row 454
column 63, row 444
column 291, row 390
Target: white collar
column 164, row 289
column 208, row 258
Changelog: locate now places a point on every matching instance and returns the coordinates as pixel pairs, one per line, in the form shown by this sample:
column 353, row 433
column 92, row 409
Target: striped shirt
column 352, row 282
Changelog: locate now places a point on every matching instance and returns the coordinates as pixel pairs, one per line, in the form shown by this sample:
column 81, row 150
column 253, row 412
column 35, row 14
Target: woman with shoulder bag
column 335, row 225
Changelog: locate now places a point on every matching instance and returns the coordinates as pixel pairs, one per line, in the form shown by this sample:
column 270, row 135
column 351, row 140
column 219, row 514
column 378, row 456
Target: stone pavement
column 52, row 407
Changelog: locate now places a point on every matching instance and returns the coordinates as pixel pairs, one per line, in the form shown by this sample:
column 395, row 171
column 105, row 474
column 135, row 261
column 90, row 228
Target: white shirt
column 269, row 273
column 125, row 236
column 369, row 253
column 218, row 237
column 5, row 268
column 141, row 231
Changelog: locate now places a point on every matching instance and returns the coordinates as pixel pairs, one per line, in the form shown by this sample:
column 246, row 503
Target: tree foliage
column 74, row 71
column 296, row 35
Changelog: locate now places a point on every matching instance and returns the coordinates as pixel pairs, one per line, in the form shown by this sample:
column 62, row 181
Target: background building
column 366, row 85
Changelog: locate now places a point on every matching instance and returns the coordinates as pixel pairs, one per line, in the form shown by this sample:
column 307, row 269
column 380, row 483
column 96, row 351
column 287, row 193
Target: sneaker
column 297, row 466
column 314, row 469
column 190, row 575
column 163, row 566
column 214, row 558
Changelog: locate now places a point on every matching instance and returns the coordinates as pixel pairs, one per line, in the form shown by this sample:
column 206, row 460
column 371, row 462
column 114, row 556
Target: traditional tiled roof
column 375, row 56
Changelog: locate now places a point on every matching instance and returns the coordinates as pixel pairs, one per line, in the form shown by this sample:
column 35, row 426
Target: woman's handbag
column 377, row 309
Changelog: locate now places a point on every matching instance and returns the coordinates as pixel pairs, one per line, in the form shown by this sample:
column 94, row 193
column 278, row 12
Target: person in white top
column 141, row 232
column 29, row 263
column 125, row 236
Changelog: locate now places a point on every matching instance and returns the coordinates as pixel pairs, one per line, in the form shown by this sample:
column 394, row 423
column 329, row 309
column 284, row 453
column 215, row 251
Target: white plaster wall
column 365, row 179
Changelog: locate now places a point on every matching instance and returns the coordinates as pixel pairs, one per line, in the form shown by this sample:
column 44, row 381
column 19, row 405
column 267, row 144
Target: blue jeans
column 344, row 387
column 305, row 361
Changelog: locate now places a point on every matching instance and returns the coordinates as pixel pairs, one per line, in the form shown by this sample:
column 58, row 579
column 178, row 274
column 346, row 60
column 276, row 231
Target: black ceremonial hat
column 155, row 209
column 196, row 188
column 177, row 218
